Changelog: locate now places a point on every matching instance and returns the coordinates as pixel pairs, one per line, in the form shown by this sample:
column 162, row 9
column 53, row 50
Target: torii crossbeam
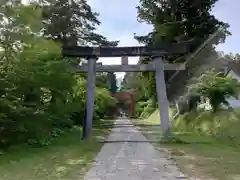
column 157, row 53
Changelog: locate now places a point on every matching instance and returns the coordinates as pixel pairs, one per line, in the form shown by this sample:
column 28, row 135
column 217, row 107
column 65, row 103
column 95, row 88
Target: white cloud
column 125, row 41
column 119, row 22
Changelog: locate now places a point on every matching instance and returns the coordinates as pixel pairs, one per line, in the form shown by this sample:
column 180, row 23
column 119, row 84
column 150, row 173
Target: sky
column 119, row 22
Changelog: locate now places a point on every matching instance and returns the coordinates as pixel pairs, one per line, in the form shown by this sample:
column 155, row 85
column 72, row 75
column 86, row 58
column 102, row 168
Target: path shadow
column 129, row 141
column 156, row 141
column 123, row 125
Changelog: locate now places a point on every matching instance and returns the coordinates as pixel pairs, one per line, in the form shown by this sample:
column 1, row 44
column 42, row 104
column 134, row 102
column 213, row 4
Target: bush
column 215, row 87
column 147, row 108
column 103, row 100
column 39, row 96
column 222, row 124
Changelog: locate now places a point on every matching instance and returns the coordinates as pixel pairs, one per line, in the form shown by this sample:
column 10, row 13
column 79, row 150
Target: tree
column 137, row 82
column 179, row 21
column 39, row 98
column 112, row 82
column 102, row 80
column 104, row 101
column 72, row 23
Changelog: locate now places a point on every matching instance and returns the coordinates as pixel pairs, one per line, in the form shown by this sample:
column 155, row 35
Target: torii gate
column 128, row 97
column 158, row 53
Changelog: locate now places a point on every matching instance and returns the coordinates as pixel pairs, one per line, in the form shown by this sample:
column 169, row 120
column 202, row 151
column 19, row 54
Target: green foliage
column 139, row 82
column 102, row 80
column 147, row 111
column 179, row 21
column 113, row 82
column 215, row 87
column 144, row 109
column 139, row 108
column 223, row 125
column 39, row 99
column 72, row 22
column 103, row 100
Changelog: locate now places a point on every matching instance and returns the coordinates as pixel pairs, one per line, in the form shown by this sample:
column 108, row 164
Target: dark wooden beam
column 162, row 49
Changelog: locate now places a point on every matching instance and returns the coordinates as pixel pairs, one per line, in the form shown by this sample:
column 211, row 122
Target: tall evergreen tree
column 112, row 82
column 178, row 21
column 72, row 23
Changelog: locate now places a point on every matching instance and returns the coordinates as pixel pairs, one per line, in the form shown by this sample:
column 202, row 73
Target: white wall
column 235, row 103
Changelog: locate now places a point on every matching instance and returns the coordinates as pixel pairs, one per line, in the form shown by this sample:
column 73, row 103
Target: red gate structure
column 127, row 98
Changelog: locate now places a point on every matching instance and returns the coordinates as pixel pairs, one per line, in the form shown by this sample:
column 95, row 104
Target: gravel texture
column 127, row 155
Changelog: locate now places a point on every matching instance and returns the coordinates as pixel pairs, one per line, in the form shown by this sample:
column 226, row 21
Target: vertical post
column 124, row 60
column 84, row 129
column 91, row 78
column 162, row 96
column 132, row 105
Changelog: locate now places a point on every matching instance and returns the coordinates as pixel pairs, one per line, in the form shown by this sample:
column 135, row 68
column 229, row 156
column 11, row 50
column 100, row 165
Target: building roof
column 229, row 65
column 235, row 67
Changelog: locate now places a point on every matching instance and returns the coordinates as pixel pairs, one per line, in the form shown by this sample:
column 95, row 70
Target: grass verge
column 66, row 158
column 200, row 156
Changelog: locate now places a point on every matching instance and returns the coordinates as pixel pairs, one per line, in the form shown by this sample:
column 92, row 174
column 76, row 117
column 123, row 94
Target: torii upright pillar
column 132, row 106
column 163, row 103
column 89, row 105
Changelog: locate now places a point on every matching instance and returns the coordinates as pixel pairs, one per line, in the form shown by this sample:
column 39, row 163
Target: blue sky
column 119, row 22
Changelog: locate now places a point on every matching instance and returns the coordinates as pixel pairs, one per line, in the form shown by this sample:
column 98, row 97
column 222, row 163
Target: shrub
column 215, row 87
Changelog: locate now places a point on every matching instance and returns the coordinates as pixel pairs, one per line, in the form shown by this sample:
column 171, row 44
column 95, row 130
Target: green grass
column 67, row 158
column 153, row 119
column 205, row 157
column 200, row 155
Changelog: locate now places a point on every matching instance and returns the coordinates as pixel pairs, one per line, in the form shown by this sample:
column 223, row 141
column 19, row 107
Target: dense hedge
column 39, row 99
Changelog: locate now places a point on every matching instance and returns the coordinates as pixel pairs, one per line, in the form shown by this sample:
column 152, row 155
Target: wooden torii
column 157, row 53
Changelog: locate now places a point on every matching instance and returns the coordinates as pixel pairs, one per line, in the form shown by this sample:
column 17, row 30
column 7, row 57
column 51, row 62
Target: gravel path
column 131, row 160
